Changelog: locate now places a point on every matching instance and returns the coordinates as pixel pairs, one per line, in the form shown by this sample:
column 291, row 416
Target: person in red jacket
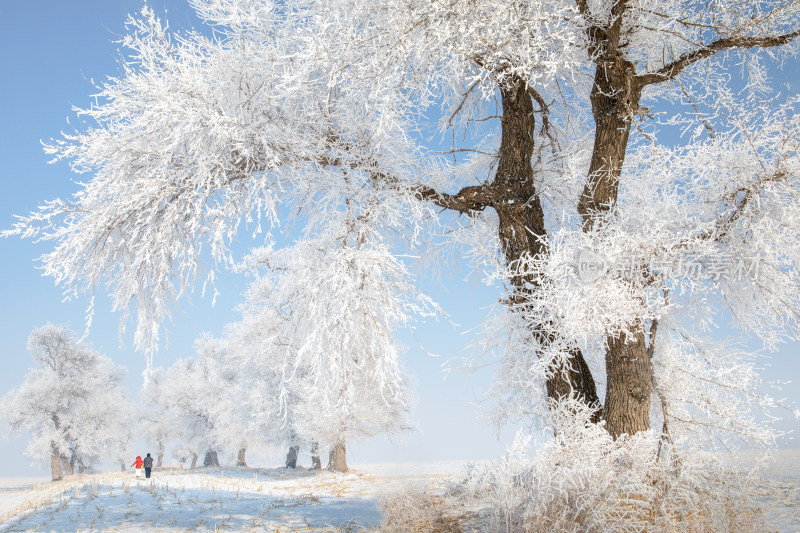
column 138, row 464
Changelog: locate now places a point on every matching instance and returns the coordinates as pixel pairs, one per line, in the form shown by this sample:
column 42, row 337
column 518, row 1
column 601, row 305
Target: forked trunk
column 211, row 458
column 291, row 456
column 240, row 460
column 337, row 460
column 55, row 463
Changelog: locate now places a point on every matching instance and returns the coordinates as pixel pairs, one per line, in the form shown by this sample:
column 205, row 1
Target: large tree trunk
column 55, row 463
column 337, row 460
column 160, row 454
column 240, row 460
column 522, row 232
column 630, row 384
column 194, row 461
column 615, row 100
column 291, row 456
column 211, row 458
column 66, row 467
column 513, row 195
column 316, row 463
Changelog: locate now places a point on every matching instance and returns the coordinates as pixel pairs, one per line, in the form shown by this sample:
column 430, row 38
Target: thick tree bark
column 291, row 456
column 337, row 460
column 522, row 231
column 66, row 467
column 615, row 101
column 615, row 98
column 630, row 384
column 316, row 462
column 55, row 463
column 240, row 460
column 194, row 461
column 513, row 195
column 211, row 458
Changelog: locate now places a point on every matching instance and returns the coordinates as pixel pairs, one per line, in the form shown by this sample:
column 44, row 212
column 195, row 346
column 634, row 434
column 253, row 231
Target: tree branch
column 668, row 72
column 472, row 198
column 615, row 31
column 545, row 111
column 596, row 34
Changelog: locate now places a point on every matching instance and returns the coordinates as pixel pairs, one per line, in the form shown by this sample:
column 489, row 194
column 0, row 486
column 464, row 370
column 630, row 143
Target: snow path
column 233, row 499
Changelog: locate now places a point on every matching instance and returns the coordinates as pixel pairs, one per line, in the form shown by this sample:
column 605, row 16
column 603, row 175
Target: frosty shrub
column 583, row 480
column 588, row 486
column 416, row 510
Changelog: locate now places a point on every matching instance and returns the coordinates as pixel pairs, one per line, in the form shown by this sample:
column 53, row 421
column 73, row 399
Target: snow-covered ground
column 244, row 499
column 233, row 499
column 779, row 491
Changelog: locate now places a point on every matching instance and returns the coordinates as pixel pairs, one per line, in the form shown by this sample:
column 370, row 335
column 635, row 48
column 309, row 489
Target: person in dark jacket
column 148, row 465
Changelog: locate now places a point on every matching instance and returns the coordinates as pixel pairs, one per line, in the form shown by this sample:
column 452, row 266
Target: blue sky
column 49, row 53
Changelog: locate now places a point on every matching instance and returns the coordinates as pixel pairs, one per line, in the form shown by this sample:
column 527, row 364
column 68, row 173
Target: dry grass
column 723, row 503
column 416, row 511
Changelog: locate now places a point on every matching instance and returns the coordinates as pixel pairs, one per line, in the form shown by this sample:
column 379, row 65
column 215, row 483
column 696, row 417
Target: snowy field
column 230, row 499
column 779, row 491
column 257, row 499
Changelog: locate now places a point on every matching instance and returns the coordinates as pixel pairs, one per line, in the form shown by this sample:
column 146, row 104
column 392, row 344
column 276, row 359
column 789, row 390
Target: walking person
column 138, row 464
column 148, row 465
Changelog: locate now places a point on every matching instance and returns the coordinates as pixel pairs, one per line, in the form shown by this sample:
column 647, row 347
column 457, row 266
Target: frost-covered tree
column 562, row 116
column 155, row 419
column 191, row 428
column 322, row 321
column 268, row 400
column 72, row 403
column 203, row 398
column 227, row 406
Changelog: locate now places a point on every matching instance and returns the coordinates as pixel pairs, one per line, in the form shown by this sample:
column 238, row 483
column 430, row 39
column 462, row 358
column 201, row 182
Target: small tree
column 204, row 399
column 338, row 308
column 226, row 400
column 189, row 412
column 155, row 420
column 72, row 402
column 270, row 409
